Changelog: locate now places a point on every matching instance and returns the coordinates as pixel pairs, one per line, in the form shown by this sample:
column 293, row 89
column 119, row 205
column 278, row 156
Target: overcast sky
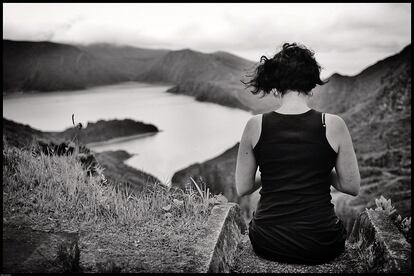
column 345, row 37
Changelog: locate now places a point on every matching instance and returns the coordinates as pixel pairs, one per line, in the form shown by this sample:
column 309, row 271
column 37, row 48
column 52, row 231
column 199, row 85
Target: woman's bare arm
column 246, row 181
column 345, row 177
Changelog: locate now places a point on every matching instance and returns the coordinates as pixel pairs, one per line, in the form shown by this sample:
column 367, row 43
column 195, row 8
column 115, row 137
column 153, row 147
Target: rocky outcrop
column 217, row 173
column 116, row 171
column 381, row 246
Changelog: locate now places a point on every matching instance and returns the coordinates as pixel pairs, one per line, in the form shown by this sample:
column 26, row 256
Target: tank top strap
column 263, row 128
column 323, row 120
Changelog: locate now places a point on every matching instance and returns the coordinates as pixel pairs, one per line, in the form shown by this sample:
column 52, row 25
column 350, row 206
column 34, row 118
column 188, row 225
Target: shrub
column 404, row 225
column 385, row 205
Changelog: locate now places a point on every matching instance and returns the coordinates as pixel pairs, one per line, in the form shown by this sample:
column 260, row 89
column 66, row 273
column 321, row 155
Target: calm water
column 191, row 131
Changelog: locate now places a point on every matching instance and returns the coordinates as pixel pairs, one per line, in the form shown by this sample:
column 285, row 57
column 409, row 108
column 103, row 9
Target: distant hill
column 105, row 130
column 128, row 62
column 20, row 135
column 376, row 105
column 207, row 77
column 47, row 66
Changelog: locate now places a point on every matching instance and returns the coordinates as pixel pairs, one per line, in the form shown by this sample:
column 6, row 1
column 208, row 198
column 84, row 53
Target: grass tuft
column 57, row 188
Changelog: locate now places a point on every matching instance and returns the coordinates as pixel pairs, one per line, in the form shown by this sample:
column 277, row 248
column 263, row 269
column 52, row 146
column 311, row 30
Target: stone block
column 382, row 247
column 29, row 251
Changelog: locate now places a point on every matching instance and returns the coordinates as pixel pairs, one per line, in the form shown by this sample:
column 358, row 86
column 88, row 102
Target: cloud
column 335, row 31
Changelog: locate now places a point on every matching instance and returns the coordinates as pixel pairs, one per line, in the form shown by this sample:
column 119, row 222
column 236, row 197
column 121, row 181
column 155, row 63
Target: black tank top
column 295, row 210
column 295, row 161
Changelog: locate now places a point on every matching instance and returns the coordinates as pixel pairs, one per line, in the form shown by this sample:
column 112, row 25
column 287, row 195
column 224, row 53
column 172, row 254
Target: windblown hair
column 293, row 68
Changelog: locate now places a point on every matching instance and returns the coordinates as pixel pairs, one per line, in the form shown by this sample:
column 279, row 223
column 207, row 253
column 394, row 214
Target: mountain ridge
column 214, row 77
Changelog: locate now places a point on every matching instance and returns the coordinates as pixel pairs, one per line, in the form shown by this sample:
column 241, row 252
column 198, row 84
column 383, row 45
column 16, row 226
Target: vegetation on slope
column 23, row 136
column 54, row 193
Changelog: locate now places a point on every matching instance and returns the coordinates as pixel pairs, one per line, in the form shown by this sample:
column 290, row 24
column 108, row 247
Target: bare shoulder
column 255, row 121
column 336, row 131
column 253, row 128
column 335, row 123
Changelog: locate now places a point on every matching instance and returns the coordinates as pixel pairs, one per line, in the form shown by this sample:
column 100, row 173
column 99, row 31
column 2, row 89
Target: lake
column 191, row 131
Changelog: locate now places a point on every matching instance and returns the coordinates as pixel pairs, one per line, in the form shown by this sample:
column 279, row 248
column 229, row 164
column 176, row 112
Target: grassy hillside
column 55, row 194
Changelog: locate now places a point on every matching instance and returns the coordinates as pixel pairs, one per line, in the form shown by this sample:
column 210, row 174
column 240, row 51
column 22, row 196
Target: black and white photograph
column 206, row 138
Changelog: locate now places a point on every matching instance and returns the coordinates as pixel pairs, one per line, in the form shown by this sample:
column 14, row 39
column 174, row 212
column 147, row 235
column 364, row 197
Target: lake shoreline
column 7, row 95
column 189, row 125
column 121, row 139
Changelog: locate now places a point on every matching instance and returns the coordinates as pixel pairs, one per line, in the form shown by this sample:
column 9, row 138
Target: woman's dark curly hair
column 293, row 68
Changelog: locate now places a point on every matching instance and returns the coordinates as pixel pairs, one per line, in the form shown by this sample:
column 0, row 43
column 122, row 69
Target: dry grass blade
column 198, row 188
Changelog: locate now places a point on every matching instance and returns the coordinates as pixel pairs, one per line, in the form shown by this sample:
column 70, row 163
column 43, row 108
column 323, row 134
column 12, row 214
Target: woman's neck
column 294, row 102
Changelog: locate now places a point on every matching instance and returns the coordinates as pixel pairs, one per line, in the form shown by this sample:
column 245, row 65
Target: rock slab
column 30, row 251
column 219, row 245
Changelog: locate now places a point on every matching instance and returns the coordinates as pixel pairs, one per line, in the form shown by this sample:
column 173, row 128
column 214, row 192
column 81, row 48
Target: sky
column 346, row 37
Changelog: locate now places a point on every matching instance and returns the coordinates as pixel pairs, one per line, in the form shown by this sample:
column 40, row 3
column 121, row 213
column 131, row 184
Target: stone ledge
column 31, row 251
column 381, row 246
column 248, row 262
column 218, row 247
column 375, row 245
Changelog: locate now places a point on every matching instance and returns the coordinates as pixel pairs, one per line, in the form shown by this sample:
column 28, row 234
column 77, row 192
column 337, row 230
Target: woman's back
column 295, row 219
column 296, row 152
